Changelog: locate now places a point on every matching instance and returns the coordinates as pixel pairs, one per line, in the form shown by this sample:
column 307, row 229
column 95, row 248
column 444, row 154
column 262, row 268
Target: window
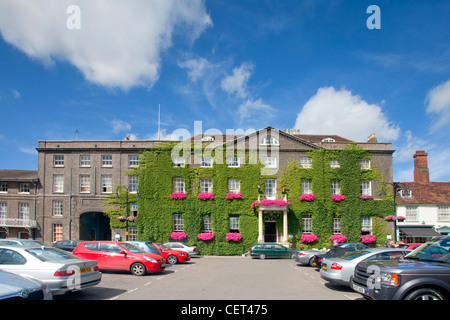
column 85, row 183
column 178, row 161
column 3, row 213
column 207, row 226
column 106, row 183
column 85, row 160
column 207, row 162
column 24, row 188
column 24, row 211
column 334, row 163
column 133, row 209
column 305, row 162
column 3, row 187
column 365, row 188
column 178, row 185
column 132, row 234
column 411, row 214
column 133, row 161
column 270, row 162
column 234, row 185
column 405, row 193
column 233, row 162
column 271, row 188
column 335, row 187
column 11, row 257
column 328, row 139
column 306, row 187
column 58, row 161
column 307, row 225
column 57, row 232
column 58, row 183
column 206, row 185
column 366, row 225
column 234, row 223
column 364, row 163
column 336, row 225
column 57, row 208
column 269, row 141
column 107, row 161
column 177, row 222
column 443, row 213
column 133, row 184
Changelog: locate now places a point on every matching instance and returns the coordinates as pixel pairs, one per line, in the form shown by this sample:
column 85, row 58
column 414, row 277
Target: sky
column 99, row 70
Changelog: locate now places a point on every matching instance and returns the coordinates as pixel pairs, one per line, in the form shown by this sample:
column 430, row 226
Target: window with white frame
column 57, row 232
column 335, row 187
column 133, row 184
column 364, row 163
column 85, row 160
column 336, row 225
column 177, row 222
column 443, row 213
column 334, row 163
column 24, row 188
column 3, row 187
column 132, row 233
column 207, row 225
column 57, row 209
column 85, row 183
column 58, row 160
column 366, row 224
column 106, row 183
column 405, row 193
column 271, row 188
column 306, row 224
column 306, row 187
column 233, row 162
column 3, row 212
column 133, row 161
column 58, row 183
column 107, row 160
column 365, row 188
column 269, row 141
column 305, row 162
column 178, row 185
column 133, row 209
column 234, row 185
column 178, row 162
column 270, row 162
column 207, row 162
column 24, row 211
column 206, row 185
column 234, row 223
column 412, row 214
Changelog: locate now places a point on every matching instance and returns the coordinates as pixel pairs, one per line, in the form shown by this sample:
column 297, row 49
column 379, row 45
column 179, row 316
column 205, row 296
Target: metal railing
column 23, row 223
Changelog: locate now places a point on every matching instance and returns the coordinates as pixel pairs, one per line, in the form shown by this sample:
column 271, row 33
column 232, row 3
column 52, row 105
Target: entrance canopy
column 419, row 231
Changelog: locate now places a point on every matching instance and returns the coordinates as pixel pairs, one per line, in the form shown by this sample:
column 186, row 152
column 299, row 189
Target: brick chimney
column 421, row 174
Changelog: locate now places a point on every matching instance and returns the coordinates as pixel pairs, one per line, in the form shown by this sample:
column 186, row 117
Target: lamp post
column 396, row 186
column 127, row 207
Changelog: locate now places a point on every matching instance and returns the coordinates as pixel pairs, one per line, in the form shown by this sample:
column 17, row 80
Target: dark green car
column 271, row 250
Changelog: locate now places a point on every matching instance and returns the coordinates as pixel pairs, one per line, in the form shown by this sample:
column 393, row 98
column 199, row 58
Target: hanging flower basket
column 233, row 236
column 308, row 237
column 205, row 196
column 178, row 235
column 205, row 236
column 123, row 219
column 338, row 238
column 368, row 238
column 178, row 195
column 337, row 197
column 400, row 218
column 307, row 197
column 393, row 218
column 366, row 197
column 231, row 196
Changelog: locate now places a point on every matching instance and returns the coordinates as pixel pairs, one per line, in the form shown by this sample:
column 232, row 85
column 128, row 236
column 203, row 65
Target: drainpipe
column 70, row 206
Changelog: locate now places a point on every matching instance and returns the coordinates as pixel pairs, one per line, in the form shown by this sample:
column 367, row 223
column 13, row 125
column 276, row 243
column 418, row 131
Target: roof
column 18, row 175
column 426, row 193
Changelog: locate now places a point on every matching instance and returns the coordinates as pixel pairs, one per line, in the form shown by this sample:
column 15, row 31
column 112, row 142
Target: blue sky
column 232, row 64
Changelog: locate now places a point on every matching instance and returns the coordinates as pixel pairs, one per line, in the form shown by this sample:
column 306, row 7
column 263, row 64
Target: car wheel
column 292, row 256
column 425, row 294
column 262, row 256
column 171, row 260
column 311, row 262
column 138, row 269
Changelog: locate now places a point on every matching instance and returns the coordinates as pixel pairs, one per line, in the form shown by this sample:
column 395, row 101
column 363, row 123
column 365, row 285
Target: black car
column 337, row 251
column 67, row 245
column 424, row 274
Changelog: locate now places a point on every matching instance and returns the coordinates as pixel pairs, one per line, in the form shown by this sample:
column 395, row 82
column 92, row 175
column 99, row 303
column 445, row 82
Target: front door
column 270, row 233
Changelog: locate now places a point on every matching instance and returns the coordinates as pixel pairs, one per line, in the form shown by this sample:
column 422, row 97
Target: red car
column 172, row 256
column 115, row 255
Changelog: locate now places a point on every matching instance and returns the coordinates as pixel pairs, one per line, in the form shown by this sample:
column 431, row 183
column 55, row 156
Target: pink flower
column 205, row 196
column 339, row 238
column 337, row 197
column 178, row 195
column 233, row 236
column 178, row 235
column 231, row 196
column 368, row 238
column 309, row 237
column 307, row 197
column 276, row 202
column 366, row 197
column 205, row 236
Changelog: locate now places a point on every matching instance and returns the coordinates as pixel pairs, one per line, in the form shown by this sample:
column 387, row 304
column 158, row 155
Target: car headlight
column 388, row 278
column 182, row 254
column 150, row 259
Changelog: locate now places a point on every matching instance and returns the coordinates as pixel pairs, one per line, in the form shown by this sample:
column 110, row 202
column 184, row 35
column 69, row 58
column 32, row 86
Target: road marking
column 129, row 291
column 147, row 283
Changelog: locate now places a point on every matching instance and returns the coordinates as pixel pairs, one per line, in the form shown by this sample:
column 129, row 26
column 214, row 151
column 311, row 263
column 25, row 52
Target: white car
column 192, row 250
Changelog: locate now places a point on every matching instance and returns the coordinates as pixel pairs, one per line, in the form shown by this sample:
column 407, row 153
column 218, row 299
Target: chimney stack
column 421, row 174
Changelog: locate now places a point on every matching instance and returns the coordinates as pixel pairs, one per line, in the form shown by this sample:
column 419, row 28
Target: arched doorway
column 94, row 226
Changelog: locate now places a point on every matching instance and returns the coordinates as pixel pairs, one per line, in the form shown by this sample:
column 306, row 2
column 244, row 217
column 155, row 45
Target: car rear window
column 50, row 254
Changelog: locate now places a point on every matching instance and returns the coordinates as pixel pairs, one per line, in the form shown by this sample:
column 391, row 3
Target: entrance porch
column 268, row 228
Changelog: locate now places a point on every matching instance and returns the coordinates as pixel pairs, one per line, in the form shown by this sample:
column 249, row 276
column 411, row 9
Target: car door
column 269, row 250
column 279, row 251
column 111, row 258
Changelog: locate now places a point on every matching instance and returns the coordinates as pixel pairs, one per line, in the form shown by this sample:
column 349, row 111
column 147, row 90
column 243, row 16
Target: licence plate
column 324, row 267
column 84, row 270
column 360, row 289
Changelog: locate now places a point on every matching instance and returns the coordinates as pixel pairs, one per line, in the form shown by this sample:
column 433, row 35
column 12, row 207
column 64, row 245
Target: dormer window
column 269, row 141
column 208, row 139
column 405, row 193
column 328, row 139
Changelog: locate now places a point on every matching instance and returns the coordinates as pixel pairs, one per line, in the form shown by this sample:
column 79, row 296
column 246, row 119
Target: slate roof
column 426, row 193
column 18, row 175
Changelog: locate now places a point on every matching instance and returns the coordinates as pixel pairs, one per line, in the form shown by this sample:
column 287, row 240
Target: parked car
column 146, row 246
column 410, row 246
column 192, row 250
column 271, row 250
column 424, row 274
column 172, row 256
column 340, row 270
column 21, row 242
column 115, row 255
column 16, row 287
column 306, row 257
column 337, row 251
column 60, row 270
column 67, row 245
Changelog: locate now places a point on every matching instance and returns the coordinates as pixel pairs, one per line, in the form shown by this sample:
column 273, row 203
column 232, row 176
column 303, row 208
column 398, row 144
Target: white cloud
column 119, row 43
column 438, row 105
column 237, row 82
column 197, row 67
column 255, row 110
column 15, row 93
column 332, row 111
column 119, row 126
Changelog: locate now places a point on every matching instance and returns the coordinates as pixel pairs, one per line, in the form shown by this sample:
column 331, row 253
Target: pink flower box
column 205, row 236
column 368, row 238
column 231, row 196
column 205, row 196
column 339, row 238
column 307, row 197
column 178, row 195
column 233, row 236
column 366, row 197
column 337, row 197
column 178, row 235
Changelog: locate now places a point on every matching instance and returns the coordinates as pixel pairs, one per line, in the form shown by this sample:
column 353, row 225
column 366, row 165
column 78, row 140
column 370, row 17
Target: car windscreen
column 436, row 250
column 131, row 248
column 50, row 254
column 354, row 254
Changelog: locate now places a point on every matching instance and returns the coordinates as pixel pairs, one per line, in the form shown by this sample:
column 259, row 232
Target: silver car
column 340, row 270
column 305, row 257
column 192, row 250
column 60, row 270
column 22, row 242
column 15, row 287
